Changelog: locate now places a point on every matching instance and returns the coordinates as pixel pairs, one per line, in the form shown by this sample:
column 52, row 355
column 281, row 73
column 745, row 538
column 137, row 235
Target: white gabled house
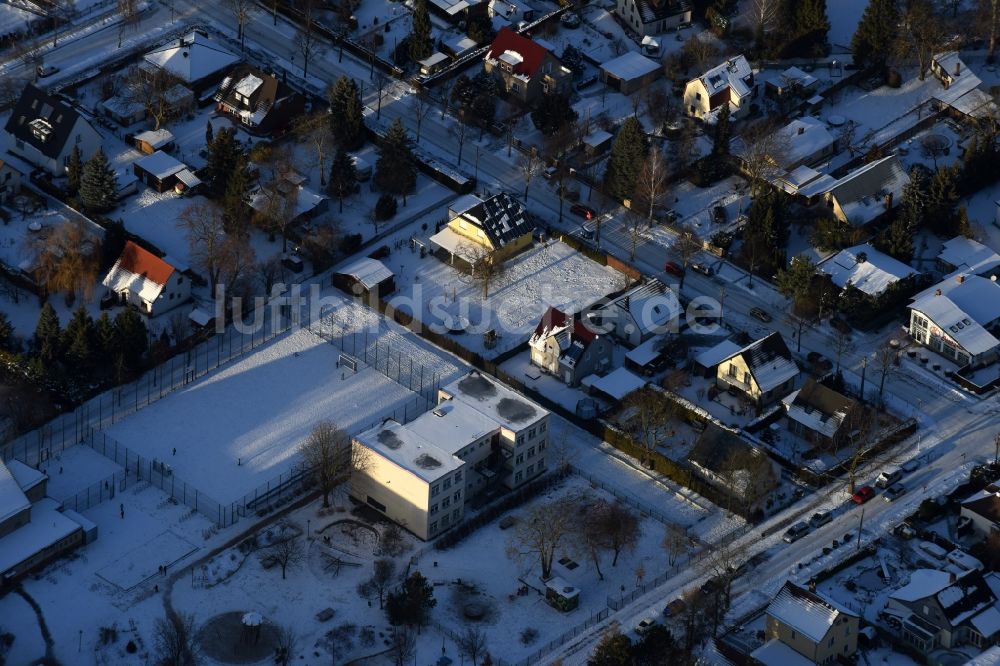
column 644, row 311
column 731, row 83
column 653, row 17
column 802, row 623
column 564, row 347
column 141, row 279
column 865, row 268
column 959, row 318
column 44, row 129
column 763, row 371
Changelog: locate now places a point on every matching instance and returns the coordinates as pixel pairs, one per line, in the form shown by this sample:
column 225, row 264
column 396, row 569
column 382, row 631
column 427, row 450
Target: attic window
column 40, row 128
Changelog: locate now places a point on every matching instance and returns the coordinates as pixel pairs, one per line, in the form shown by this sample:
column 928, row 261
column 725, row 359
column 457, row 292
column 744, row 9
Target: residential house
column 959, row 318
column 867, row 193
column 150, row 141
column 630, row 72
column 942, row 609
column 983, row 509
column 524, row 68
column 163, row 172
column 806, row 141
column 365, row 277
column 10, row 182
column 651, row 356
column 763, row 371
column 653, row 17
column 565, row 347
column 196, row 59
column 44, row 130
column 614, row 386
column 731, row 82
column 421, row 474
column 498, row 224
column 968, row 256
column 258, row 101
column 810, row 624
column 821, row 415
column 949, row 69
column 289, row 196
column 644, row 311
column 727, row 461
column 791, row 82
column 33, row 527
column 141, row 279
column 805, row 182
column 866, row 269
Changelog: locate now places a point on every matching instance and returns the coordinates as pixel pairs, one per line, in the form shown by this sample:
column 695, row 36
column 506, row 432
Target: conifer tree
column 74, row 169
column 343, row 177
column 942, row 197
column 346, row 117
column 876, row 34
column 898, row 241
column 236, row 199
column 6, row 332
column 106, row 343
column 627, row 154
column 98, row 184
column 395, row 170
column 132, row 336
column 48, row 336
column 78, row 341
column 720, row 143
column 615, row 649
column 419, row 41
column 209, row 133
column 224, row 154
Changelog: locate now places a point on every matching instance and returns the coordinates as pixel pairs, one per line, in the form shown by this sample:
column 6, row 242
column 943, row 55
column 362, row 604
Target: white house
column 194, row 58
column 642, row 312
column 763, row 371
column 808, row 141
column 983, row 509
column 959, row 318
column 141, row 279
column 44, row 129
column 652, row 17
column 629, row 72
column 964, row 254
column 865, row 268
column 731, row 83
column 564, row 347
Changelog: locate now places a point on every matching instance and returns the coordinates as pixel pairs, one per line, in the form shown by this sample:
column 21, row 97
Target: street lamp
column 864, row 366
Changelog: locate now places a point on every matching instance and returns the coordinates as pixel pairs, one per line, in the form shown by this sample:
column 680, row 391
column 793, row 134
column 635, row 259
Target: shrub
column 131, row 647
column 350, row 243
column 385, row 207
column 529, row 635
column 893, row 79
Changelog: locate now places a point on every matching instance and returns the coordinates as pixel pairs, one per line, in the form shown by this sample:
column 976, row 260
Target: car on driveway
column 760, row 315
column 820, row 518
column 893, row 492
column 570, row 20
column 795, row 532
column 645, row 625
column 863, row 494
column 582, row 211
column 672, row 268
column 674, row 608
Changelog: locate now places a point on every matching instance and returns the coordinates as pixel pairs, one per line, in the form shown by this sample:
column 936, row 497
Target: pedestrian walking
column 175, row 450
column 122, row 509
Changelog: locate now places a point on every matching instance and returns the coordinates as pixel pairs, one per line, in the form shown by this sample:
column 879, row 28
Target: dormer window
column 40, row 128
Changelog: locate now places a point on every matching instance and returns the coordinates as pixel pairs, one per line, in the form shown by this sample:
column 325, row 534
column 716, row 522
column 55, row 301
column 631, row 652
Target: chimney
column 958, row 68
column 960, row 279
column 888, row 201
column 951, row 577
column 937, row 292
column 802, row 129
column 812, row 585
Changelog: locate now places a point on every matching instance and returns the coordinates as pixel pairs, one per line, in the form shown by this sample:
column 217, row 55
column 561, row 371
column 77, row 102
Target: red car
column 673, row 269
column 582, row 211
column 864, row 494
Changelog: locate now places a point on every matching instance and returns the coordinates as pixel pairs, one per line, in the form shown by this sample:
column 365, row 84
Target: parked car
column 674, row 608
column 568, row 193
column 911, row 465
column 719, row 215
column 670, row 216
column 587, row 233
column 645, row 625
column 893, row 492
column 820, row 518
column 703, row 269
column 570, row 20
column 550, row 172
column 904, row 531
column 795, row 532
column 840, row 325
column 963, row 525
column 672, row 268
column 583, row 211
column 863, row 494
column 46, row 70
column 760, row 315
column 888, row 477
column 710, row 586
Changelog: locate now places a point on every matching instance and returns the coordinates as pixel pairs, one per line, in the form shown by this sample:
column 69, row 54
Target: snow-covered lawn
column 546, row 275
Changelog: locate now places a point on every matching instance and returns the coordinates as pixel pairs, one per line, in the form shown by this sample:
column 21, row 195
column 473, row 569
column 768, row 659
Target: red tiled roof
column 142, row 262
column 531, row 52
column 555, row 318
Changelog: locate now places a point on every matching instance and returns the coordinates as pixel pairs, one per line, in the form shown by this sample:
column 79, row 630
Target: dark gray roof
column 657, row 10
column 501, row 217
column 55, row 116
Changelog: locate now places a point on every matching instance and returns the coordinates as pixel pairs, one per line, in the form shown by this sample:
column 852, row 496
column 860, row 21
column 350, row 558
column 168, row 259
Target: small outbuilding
column 365, row 276
column 163, row 172
column 150, row 141
column 629, row 72
column 433, row 63
column 597, row 142
column 561, row 595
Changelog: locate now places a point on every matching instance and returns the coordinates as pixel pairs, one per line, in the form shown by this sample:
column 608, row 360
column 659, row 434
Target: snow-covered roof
column 454, row 243
column 459, row 44
column 630, row 66
column 399, row 444
column 872, row 273
column 433, row 59
column 809, row 613
column 504, row 405
column 155, row 138
column 618, row 383
column 191, row 57
column 187, row 177
column 452, row 425
column 12, row 498
column 160, row 165
column 923, row 583
column 967, row 254
column 795, row 76
column 140, row 272
column 863, row 193
column 818, row 408
column 248, row 85
column 735, row 73
column 305, row 199
column 990, row 657
column 769, row 361
column 648, row 351
column 713, row 356
column 597, row 138
column 462, row 204
column 776, row 653
column 987, row 623
column 369, row 272
column 806, row 137
column 962, row 308
column 47, row 527
column 27, row 477
column 501, row 217
column 957, row 79
column 649, row 306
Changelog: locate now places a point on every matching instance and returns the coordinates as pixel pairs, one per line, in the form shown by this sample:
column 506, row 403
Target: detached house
column 821, row 415
column 653, row 17
column 763, row 371
column 959, row 318
column 524, row 68
column 195, row 59
column 257, row 101
column 804, row 624
column 141, row 279
column 729, row 462
column 731, row 83
column 864, row 195
column 44, row 129
column 563, row 346
column 498, row 224
column 641, row 313
column 983, row 509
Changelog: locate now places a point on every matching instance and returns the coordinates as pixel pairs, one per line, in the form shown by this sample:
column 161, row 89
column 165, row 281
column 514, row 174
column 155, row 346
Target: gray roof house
column 44, row 129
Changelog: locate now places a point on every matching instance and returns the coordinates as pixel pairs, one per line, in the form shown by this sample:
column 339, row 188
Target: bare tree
column 402, row 645
column 241, row 10
column 383, row 571
column 842, row 344
column 67, row 258
column 472, row 643
column 175, row 640
column 763, row 151
column 421, row 105
column 685, row 246
column 636, row 225
column 487, row 265
column 646, row 416
column 315, row 130
column 307, row 42
column 922, row 36
column 277, row 195
column 990, row 19
column 203, row 223
column 651, row 183
column 540, row 531
column 761, row 15
column 886, row 360
column 700, row 53
column 749, row 475
column 530, row 166
column 332, row 457
column 458, row 130
column 616, row 527
column 675, row 542
column 381, row 84
column 128, row 10
column 11, row 88
column 284, row 650
column 287, row 549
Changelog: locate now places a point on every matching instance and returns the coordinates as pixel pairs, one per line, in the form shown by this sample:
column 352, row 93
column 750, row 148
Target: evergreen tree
column 897, row 241
column 132, row 336
column 720, row 143
column 876, row 34
column 224, row 154
column 79, row 341
column 346, row 114
column 106, row 344
column 209, row 133
column 48, row 336
column 627, row 153
column 412, row 602
column 552, row 113
column 74, row 169
column 419, row 40
column 913, row 207
column 6, row 332
column 942, row 198
column 98, row 183
column 236, row 200
column 655, row 648
column 795, row 282
column 615, row 649
column 395, row 170
column 343, row 177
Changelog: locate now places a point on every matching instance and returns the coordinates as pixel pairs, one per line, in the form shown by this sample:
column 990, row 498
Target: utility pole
column 864, row 366
column 996, row 450
column 860, row 525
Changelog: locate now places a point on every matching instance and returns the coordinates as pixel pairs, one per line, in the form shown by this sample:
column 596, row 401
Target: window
column 541, row 446
column 541, row 428
column 746, row 377
column 520, row 440
column 832, row 639
column 732, row 370
column 434, row 526
column 455, row 514
column 434, row 508
column 458, row 476
column 515, row 88
column 444, row 521
column 541, row 464
column 434, row 490
column 517, row 478
column 530, row 470
column 180, row 280
column 520, row 459
column 457, row 496
column 446, row 485
column 446, row 502
column 531, row 434
column 697, row 96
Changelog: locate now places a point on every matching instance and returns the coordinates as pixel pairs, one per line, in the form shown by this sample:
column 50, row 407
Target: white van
column 965, row 561
column 888, row 477
column 932, row 551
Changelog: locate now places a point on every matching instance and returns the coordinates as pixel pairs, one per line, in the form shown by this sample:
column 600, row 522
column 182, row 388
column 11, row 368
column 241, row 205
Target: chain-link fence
column 96, row 493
